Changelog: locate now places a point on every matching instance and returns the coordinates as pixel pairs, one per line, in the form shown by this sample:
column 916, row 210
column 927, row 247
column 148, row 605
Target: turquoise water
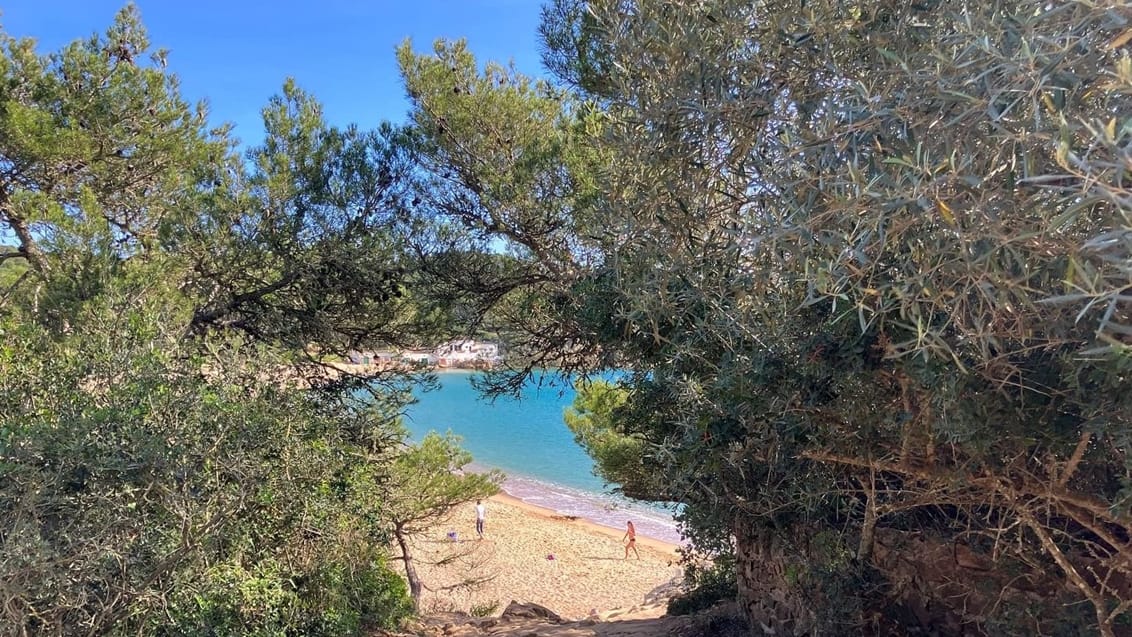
column 528, row 440
column 525, row 436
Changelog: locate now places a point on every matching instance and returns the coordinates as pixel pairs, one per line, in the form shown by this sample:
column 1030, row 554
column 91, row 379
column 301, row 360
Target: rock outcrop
column 532, row 620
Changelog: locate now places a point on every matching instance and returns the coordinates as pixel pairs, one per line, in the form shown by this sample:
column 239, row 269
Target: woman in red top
column 631, row 535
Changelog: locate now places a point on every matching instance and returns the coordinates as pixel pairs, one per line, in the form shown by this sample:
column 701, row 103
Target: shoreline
column 607, row 511
column 526, row 439
column 529, row 553
column 547, row 513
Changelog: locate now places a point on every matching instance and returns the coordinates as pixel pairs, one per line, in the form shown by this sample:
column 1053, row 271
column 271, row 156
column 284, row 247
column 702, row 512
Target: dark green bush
column 335, row 599
column 705, row 586
column 485, row 609
column 234, row 600
column 373, row 596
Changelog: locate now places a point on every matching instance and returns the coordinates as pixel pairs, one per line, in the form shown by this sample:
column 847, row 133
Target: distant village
column 458, row 354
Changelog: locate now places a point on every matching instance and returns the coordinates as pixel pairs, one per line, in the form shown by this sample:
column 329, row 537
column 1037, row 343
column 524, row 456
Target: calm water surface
column 529, row 441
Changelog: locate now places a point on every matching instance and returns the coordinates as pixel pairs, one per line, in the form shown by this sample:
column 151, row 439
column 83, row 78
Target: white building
column 418, row 357
column 467, row 353
column 380, row 357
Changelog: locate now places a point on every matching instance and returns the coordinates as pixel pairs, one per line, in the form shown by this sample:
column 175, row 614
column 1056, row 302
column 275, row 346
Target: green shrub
column 705, row 587
column 234, row 600
column 485, row 609
column 373, row 596
column 334, row 599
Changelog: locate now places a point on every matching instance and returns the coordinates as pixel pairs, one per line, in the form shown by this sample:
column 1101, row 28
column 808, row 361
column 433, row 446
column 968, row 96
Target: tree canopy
column 868, row 266
column 427, row 481
column 176, row 457
column 865, row 268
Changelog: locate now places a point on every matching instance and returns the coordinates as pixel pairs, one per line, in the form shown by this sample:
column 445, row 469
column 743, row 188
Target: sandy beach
column 588, row 571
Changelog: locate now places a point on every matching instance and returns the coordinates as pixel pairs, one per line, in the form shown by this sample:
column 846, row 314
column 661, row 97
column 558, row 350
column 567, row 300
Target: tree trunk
column 869, row 525
column 410, row 570
column 22, row 230
column 769, row 599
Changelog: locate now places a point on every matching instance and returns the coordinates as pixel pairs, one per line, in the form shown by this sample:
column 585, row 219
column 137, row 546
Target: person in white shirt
column 481, row 513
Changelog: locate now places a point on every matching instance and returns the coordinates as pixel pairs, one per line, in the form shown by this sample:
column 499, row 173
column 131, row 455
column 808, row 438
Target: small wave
column 601, row 508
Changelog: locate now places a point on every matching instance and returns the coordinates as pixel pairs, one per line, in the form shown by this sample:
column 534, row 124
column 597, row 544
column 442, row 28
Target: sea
column 528, row 440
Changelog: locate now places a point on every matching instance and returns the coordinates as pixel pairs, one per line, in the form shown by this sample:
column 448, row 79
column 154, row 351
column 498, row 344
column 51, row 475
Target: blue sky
column 236, row 53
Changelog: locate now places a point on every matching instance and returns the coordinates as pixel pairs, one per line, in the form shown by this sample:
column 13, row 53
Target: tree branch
column 28, row 247
column 206, row 316
column 1071, row 573
column 1075, row 459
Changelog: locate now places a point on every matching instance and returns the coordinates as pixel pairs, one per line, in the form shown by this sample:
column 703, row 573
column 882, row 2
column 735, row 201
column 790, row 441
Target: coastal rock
column 516, row 610
column 666, row 591
column 627, row 626
column 533, row 620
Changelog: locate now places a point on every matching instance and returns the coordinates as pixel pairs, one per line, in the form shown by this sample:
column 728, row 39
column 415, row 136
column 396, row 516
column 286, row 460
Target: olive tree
column 869, row 266
column 879, row 255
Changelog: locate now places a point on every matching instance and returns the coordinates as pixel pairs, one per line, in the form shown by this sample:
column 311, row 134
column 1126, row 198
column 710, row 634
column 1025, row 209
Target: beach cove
column 528, row 440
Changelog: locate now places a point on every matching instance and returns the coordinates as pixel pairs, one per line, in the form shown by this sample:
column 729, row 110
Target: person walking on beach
column 481, row 513
column 631, row 535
